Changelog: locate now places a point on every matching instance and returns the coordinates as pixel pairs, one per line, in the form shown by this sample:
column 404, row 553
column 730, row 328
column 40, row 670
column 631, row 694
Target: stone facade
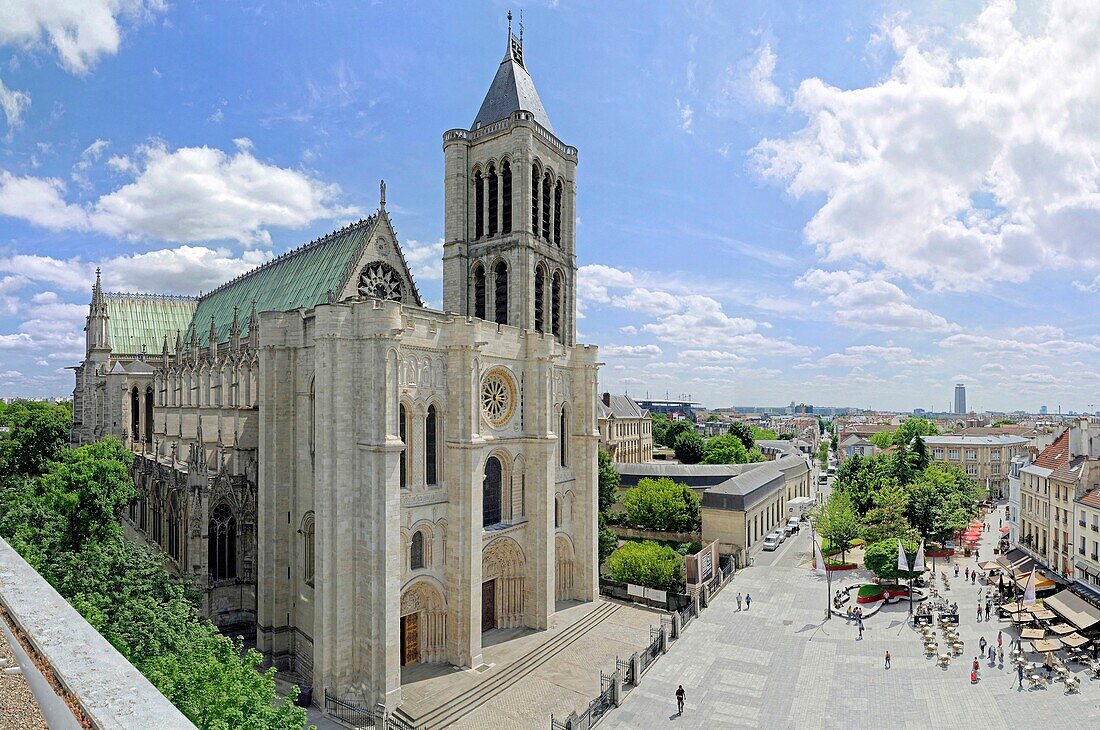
column 626, row 429
column 368, row 482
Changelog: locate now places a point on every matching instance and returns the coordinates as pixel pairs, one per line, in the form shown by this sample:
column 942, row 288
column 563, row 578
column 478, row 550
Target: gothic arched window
column 500, row 293
column 309, row 537
column 158, row 521
column 557, row 213
column 492, row 201
column 149, row 415
column 556, row 305
column 563, row 438
column 557, row 511
column 135, row 413
column 535, row 177
column 173, row 527
column 490, row 492
column 416, row 552
column 403, row 433
column 540, row 294
column 546, row 185
column 431, row 447
column 479, row 291
column 505, row 197
column 222, row 544
column 479, row 204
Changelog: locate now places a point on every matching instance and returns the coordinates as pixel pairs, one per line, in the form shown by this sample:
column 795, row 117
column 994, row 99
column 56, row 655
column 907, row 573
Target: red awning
column 1004, row 529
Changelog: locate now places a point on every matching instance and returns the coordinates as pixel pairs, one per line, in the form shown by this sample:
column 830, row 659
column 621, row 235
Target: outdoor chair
column 1073, row 684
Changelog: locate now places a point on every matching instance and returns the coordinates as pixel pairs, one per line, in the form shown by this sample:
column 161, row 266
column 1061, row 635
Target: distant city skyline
column 753, row 227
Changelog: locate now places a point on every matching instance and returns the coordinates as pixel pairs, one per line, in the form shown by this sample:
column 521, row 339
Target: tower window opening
column 505, row 198
column 479, row 203
column 492, row 201
column 546, row 206
column 540, row 294
column 500, row 293
column 557, row 214
column 555, row 305
column 479, row 291
column 535, row 199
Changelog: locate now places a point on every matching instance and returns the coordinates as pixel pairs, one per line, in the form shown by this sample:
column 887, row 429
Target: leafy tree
column 763, row 434
column 834, row 442
column 913, row 427
column 37, row 434
column 882, row 439
column 1002, row 422
column 726, row 449
column 756, row 455
column 608, row 540
column 941, row 502
column 743, row 432
column 647, row 564
column 837, row 521
column 886, row 519
column 881, row 558
column 674, row 430
column 919, row 456
column 608, row 480
column 660, row 424
column 688, row 448
column 860, row 477
column 786, row 437
column 823, row 455
column 712, row 417
column 662, row 504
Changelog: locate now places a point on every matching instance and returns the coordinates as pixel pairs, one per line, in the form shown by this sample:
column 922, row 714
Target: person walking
column 1001, row 655
column 738, row 601
column 981, row 645
column 1000, row 639
column 748, row 601
column 966, row 573
column 887, row 659
column 860, row 626
column 680, row 694
column 973, row 577
column 956, row 570
column 1020, row 675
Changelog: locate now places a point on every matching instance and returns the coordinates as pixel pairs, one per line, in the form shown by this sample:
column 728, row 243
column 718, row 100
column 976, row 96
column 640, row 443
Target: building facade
column 365, row 482
column 985, row 459
column 626, row 429
column 960, row 398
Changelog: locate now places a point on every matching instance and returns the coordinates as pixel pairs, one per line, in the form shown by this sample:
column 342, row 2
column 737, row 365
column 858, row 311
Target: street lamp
column 828, row 578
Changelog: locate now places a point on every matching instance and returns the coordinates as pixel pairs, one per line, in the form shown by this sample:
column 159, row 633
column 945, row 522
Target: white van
column 771, row 542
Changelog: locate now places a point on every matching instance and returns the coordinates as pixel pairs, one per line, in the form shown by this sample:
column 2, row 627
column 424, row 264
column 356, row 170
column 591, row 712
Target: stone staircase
column 471, row 699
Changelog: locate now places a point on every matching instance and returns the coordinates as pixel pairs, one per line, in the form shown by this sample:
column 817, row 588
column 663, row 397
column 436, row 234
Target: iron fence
column 596, row 709
column 626, row 669
column 649, row 655
column 687, row 613
column 349, row 712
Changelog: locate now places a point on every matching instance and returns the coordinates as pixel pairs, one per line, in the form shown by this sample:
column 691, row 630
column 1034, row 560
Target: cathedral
column 362, row 481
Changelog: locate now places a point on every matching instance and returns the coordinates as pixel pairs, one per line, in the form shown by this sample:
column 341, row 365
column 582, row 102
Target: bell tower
column 509, row 251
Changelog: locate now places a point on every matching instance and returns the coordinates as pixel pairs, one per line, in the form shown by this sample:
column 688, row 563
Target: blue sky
column 840, row 203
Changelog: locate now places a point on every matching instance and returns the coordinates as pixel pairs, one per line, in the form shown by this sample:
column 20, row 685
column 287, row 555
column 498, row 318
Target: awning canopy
column 1046, row 645
column 1032, row 634
column 1043, row 615
column 1013, row 558
column 1014, row 608
column 1062, row 629
column 1074, row 609
column 1074, row 640
column 989, row 565
column 1042, row 583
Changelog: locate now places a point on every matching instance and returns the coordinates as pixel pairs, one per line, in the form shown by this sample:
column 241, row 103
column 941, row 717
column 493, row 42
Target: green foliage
column 674, row 430
column 860, row 477
column 881, row 558
column 743, row 432
column 786, row 437
column 726, row 449
column 607, row 539
column 1002, row 422
column 882, row 439
column 662, row 504
column 37, row 434
column 647, row 564
column 941, row 502
column 608, row 480
column 688, row 447
column 660, row 424
column 887, row 518
column 823, row 455
column 64, row 523
column 913, row 427
column 763, row 434
column 712, row 417
column 836, row 520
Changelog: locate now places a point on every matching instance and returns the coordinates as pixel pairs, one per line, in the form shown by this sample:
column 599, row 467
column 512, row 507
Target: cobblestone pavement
column 779, row 665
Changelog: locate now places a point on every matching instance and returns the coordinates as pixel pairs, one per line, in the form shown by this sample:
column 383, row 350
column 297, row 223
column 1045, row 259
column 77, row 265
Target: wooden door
column 410, row 639
column 488, row 605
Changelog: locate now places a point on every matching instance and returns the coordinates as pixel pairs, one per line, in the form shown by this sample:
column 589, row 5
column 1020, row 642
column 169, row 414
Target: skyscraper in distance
column 960, row 398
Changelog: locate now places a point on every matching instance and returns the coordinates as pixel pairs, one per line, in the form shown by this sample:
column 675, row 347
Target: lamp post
column 828, row 578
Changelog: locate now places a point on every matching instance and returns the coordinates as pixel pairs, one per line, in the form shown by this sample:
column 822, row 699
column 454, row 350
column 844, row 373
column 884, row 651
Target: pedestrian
column 680, row 694
column 973, row 577
column 966, row 573
column 981, row 645
column 974, row 666
column 738, row 601
column 1000, row 639
column 887, row 659
column 1001, row 655
column 748, row 601
column 979, row 612
column 860, row 631
column 1020, row 675
column 1000, row 522
column 956, row 570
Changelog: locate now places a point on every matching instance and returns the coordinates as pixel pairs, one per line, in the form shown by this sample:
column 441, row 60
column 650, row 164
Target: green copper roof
column 299, row 278
column 137, row 320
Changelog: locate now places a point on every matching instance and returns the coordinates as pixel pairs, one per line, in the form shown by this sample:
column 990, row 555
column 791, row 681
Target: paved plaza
column 780, row 665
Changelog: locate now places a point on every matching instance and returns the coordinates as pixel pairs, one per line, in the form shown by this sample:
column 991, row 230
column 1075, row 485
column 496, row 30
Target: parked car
column 792, row 525
column 780, row 534
column 771, row 541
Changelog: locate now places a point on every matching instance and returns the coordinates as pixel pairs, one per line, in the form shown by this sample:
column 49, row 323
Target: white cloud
column 974, row 161
column 760, row 81
column 13, row 103
column 425, row 259
column 700, row 320
column 187, row 195
column 862, row 303
column 631, row 351
column 593, row 281
column 713, row 356
column 79, row 31
column 687, row 115
column 648, row 301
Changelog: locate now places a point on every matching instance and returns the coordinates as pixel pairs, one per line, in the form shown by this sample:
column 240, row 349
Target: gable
column 380, row 268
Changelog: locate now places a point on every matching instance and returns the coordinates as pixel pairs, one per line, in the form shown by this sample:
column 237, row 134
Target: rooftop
column 966, row 440
column 512, row 89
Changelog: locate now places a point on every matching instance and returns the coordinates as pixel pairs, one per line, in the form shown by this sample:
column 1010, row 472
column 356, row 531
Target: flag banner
column 1029, row 590
column 819, row 559
column 919, row 562
column 903, row 564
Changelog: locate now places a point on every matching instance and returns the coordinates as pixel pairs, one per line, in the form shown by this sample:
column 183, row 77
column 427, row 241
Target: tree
column 834, row 442
column 743, row 432
column 886, row 519
column 726, row 449
column 913, row 427
column 660, row 424
column 823, row 455
column 763, row 434
column 647, row 564
column 881, row 558
column 860, row 477
column 608, row 480
column 674, row 430
column 941, row 502
column 786, row 437
column 1002, row 422
column 662, row 504
column 837, row 521
column 608, row 540
column 688, row 448
column 919, row 456
column 37, row 433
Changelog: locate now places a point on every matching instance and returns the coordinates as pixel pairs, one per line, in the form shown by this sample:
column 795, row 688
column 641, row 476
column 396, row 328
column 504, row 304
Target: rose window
column 498, row 396
column 380, row 281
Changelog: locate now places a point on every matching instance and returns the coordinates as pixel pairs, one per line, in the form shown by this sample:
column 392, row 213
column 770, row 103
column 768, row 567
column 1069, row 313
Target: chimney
column 1079, row 437
column 607, row 399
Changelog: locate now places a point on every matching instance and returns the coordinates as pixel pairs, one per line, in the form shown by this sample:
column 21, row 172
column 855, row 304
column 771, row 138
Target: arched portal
column 423, row 623
column 563, row 568
column 502, row 569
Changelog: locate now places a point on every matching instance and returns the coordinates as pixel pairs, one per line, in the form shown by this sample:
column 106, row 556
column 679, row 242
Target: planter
column 842, row 566
column 942, row 553
column 885, row 594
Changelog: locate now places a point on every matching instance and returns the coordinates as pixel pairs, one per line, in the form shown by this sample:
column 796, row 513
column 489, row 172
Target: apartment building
column 626, row 429
column 1087, row 560
column 986, row 459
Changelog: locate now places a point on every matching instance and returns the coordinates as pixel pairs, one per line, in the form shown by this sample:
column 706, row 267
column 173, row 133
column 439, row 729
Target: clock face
column 379, row 280
column 498, row 396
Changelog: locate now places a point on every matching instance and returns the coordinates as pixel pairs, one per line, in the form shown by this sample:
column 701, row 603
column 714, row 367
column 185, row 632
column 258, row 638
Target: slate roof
column 512, row 90
column 302, row 277
column 136, row 320
column 620, row 406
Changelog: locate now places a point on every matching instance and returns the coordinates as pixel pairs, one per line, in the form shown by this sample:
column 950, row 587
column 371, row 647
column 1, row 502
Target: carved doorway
column 488, row 605
column 410, row 639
